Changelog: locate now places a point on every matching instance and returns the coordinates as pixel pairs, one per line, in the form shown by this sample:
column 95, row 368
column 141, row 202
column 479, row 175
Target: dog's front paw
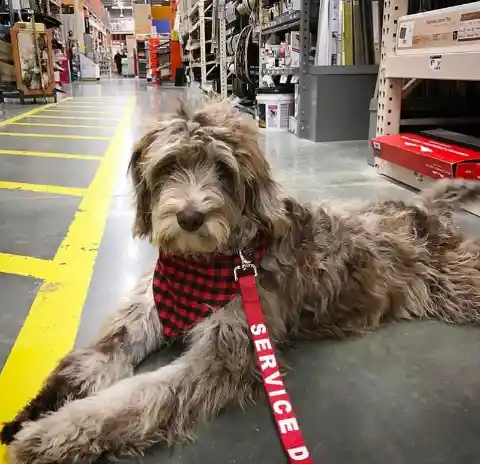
column 56, row 438
column 9, row 430
column 25, row 449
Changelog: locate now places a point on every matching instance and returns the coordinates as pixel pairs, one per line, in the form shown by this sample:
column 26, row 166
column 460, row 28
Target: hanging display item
column 33, row 59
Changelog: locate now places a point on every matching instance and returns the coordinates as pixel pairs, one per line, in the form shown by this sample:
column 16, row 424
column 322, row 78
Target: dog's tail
column 450, row 193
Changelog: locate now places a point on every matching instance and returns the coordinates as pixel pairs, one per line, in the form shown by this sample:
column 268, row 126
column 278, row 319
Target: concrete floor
column 408, row 393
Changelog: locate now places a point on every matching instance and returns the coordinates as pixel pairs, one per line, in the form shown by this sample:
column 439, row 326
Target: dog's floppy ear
column 142, row 226
column 261, row 192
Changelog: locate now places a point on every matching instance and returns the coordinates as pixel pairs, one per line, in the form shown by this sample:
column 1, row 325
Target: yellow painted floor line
column 56, row 136
column 26, row 114
column 50, row 328
column 90, row 118
column 29, row 267
column 81, row 126
column 49, row 155
column 54, row 189
column 101, row 105
column 60, row 110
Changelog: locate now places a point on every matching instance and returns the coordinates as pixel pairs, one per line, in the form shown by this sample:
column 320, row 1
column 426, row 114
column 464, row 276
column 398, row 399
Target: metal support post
column 303, row 91
column 260, row 43
column 389, row 90
column 214, row 23
column 190, row 56
column 223, row 48
column 203, row 51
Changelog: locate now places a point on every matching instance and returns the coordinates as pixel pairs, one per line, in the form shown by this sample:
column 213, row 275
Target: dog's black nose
column 190, row 219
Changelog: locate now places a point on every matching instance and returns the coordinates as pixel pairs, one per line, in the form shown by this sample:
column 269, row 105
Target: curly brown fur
column 327, row 272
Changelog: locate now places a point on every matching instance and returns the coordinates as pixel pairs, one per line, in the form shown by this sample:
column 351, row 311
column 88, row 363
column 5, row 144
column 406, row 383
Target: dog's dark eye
column 162, row 173
column 167, row 170
column 224, row 172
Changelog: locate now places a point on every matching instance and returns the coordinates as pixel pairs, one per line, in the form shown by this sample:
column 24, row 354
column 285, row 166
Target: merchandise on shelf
column 142, row 58
column 425, row 58
column 281, row 10
column 429, row 157
column 285, row 54
column 159, row 50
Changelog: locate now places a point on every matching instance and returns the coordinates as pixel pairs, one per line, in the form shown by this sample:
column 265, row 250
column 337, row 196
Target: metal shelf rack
column 456, row 64
column 236, row 25
column 402, row 70
column 283, row 23
column 331, row 102
column 222, row 48
column 327, row 95
column 196, row 18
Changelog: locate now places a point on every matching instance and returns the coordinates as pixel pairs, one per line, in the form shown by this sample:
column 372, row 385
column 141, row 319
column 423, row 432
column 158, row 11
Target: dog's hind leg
column 456, row 294
column 161, row 406
column 125, row 339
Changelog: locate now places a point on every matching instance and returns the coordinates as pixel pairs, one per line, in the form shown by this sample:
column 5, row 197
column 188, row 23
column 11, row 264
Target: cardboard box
column 293, row 45
column 440, row 30
column 428, row 157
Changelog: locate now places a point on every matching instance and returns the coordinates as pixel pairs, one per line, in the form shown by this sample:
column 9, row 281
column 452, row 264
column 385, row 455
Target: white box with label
column 453, row 30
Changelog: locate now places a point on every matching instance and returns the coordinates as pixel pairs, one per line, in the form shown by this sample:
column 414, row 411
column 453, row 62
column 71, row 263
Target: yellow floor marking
column 60, row 110
column 28, row 266
column 101, row 105
column 54, row 189
column 26, row 114
column 41, row 124
column 89, row 118
column 49, row 330
column 55, row 136
column 49, row 155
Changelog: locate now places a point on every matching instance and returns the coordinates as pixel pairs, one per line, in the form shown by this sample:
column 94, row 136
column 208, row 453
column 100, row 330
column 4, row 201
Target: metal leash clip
column 246, row 265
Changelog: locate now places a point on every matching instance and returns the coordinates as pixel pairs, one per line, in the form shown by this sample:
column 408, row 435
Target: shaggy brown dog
column 204, row 190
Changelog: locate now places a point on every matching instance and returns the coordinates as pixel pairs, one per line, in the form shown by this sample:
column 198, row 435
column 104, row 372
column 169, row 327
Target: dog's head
column 202, row 184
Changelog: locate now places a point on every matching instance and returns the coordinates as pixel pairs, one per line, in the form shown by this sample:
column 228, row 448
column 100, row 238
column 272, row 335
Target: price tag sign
column 283, row 79
column 294, row 80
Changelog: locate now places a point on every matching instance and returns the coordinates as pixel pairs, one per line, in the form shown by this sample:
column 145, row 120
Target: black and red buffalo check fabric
column 186, row 290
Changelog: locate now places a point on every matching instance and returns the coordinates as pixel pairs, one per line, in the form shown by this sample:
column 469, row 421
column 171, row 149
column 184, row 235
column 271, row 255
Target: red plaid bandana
column 188, row 290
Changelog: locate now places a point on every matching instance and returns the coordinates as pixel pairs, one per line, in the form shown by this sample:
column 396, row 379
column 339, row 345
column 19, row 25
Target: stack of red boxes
column 153, row 44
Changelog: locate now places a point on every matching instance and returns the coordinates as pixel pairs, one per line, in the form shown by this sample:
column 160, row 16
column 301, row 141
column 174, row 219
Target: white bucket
column 274, row 110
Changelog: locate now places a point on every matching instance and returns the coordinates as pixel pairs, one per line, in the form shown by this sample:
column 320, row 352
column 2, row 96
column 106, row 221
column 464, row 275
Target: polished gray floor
column 405, row 394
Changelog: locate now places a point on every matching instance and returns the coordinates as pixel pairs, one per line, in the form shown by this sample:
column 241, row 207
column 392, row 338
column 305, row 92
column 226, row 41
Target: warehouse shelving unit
column 389, row 88
column 208, row 61
column 401, row 71
column 198, row 44
column 142, row 57
column 288, row 22
column 456, row 64
column 230, row 27
column 332, row 100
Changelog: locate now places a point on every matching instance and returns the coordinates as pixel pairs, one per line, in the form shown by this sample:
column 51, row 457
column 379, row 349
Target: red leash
column 280, row 403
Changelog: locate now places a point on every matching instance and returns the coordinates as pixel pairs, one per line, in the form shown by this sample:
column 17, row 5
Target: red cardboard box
column 428, row 157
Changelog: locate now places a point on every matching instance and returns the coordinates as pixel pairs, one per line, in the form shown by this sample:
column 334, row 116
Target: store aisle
column 58, row 164
column 404, row 394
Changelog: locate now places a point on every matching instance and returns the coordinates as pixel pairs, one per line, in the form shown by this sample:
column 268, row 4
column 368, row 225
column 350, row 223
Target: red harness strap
column 280, row 403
